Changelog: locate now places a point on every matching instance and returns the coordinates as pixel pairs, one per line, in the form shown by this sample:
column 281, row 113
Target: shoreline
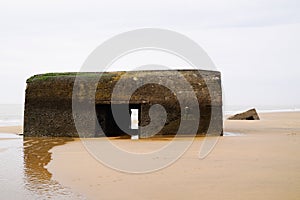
column 19, row 128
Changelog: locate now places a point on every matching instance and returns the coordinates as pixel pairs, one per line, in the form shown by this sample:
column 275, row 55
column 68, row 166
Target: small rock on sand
column 248, row 115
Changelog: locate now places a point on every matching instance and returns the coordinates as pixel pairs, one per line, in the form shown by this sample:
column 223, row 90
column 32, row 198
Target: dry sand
column 11, row 129
column 263, row 163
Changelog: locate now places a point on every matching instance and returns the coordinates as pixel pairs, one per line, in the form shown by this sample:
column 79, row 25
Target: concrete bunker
column 49, row 100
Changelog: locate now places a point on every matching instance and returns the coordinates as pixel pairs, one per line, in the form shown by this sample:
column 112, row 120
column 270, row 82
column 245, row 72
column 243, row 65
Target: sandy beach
column 262, row 162
column 11, row 129
column 93, row 94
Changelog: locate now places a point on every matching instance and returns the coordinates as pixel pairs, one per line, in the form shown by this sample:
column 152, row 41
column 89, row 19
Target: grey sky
column 255, row 44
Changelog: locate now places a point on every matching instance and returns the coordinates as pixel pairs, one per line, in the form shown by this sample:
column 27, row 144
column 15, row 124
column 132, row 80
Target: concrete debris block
column 248, row 115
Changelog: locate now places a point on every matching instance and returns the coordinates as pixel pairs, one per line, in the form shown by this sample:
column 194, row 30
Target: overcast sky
column 255, row 44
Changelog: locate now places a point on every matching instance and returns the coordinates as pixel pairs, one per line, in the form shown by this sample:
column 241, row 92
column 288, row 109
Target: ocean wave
column 6, row 121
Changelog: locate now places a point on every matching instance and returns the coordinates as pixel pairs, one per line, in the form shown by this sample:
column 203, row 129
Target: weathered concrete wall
column 48, row 103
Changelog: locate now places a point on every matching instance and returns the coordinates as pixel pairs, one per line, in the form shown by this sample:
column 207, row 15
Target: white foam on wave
column 10, row 122
column 10, row 136
column 279, row 110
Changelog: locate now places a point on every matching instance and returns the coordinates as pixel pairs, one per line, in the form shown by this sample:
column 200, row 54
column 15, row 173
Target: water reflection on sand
column 23, row 174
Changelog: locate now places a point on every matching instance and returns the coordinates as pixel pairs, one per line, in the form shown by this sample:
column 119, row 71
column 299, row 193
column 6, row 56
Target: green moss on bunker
column 46, row 76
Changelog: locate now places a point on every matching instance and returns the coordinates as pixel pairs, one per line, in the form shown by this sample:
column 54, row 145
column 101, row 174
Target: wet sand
column 22, row 168
column 9, row 130
column 262, row 163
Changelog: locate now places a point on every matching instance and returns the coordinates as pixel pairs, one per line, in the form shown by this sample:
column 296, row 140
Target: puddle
column 22, row 169
column 229, row 134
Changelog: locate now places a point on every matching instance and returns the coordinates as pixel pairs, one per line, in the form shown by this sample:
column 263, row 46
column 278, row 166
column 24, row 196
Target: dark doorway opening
column 250, row 118
column 108, row 123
